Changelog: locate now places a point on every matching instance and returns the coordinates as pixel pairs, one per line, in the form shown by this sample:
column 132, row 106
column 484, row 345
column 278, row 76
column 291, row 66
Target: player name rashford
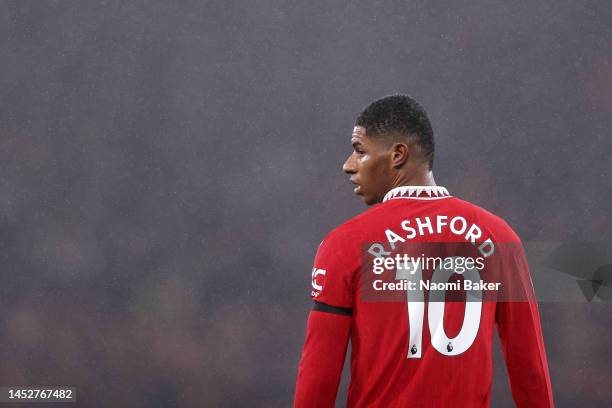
column 404, row 284
column 420, row 226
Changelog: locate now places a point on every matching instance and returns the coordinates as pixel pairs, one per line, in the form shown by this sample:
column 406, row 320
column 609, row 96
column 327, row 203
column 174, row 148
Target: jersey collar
column 417, row 193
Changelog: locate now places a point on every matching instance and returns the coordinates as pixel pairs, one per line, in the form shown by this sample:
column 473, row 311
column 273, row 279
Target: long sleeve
column 322, row 359
column 518, row 322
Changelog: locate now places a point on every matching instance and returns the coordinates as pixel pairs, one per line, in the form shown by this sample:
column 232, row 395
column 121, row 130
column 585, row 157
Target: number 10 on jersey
column 435, row 316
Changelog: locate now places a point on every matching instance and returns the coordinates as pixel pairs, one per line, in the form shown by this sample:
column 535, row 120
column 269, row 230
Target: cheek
column 377, row 166
column 371, row 170
column 366, row 165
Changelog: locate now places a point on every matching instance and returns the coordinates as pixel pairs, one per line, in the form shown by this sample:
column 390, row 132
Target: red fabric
column 524, row 354
column 381, row 373
column 322, row 360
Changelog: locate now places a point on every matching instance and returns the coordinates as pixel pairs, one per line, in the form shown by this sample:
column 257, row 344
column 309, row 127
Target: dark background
column 167, row 170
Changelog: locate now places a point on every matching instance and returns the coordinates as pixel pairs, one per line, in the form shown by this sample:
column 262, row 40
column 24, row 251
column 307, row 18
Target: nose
column 349, row 166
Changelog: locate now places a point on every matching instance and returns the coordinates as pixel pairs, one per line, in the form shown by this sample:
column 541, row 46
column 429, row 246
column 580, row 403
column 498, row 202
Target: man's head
column 393, row 145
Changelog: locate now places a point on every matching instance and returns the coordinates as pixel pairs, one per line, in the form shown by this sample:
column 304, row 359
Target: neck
column 424, row 178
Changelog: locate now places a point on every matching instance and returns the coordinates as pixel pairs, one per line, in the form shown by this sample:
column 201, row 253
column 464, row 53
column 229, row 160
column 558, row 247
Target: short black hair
column 399, row 116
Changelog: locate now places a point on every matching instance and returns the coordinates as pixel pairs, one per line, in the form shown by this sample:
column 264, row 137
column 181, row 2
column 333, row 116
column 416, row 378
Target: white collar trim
column 417, row 193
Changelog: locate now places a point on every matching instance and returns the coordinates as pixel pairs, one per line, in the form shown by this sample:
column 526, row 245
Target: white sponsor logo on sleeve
column 317, row 283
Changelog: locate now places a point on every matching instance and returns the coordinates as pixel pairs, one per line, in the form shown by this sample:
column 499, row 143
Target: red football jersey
column 407, row 349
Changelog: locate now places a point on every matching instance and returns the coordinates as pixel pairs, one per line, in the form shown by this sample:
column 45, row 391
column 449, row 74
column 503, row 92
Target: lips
column 357, row 188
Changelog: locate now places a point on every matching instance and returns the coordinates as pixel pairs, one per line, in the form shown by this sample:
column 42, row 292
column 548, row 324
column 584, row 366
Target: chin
column 369, row 200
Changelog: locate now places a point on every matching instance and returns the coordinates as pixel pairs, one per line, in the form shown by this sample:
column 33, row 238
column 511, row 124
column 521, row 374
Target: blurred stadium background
column 167, row 170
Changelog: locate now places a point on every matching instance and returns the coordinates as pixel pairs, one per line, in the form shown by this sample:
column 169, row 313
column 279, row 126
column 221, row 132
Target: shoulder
column 355, row 229
column 496, row 226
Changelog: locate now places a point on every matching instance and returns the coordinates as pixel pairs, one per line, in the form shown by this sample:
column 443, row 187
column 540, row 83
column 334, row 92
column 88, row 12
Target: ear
column 400, row 153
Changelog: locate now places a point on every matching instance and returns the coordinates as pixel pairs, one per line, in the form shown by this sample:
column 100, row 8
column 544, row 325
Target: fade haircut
column 399, row 116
